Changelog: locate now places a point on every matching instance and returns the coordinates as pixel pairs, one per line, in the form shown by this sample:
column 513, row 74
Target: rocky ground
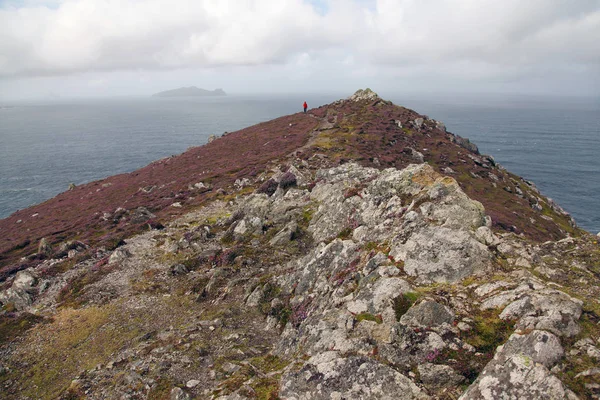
column 327, row 275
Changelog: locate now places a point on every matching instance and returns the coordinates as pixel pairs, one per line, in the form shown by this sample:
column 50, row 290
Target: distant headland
column 191, row 91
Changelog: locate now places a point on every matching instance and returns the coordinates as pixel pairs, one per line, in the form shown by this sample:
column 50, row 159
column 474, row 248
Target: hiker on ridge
column 305, row 107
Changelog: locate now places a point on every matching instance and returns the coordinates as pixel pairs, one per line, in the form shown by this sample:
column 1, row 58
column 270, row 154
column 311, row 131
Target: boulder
column 44, row 247
column 141, row 215
column 438, row 254
column 520, row 370
column 427, row 314
column 438, row 376
column 325, row 376
column 20, row 294
column 285, row 235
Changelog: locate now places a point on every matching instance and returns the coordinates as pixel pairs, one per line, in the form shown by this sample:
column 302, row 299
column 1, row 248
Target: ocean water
column 44, row 146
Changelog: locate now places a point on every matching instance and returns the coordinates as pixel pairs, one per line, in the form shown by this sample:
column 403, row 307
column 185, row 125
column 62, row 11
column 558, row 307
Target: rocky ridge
column 313, row 280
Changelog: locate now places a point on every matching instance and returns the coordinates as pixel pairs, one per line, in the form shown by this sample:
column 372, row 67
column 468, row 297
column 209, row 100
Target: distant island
column 191, row 91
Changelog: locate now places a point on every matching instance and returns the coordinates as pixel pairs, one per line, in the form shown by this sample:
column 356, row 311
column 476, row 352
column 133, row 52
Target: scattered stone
column 141, row 215
column 418, row 123
column 44, row 247
column 192, row 383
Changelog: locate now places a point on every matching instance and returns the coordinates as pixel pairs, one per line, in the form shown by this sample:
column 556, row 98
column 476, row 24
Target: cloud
column 477, row 39
column 80, row 35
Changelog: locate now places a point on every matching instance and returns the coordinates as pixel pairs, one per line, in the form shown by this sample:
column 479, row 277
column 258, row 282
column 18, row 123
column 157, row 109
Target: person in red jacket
column 305, row 107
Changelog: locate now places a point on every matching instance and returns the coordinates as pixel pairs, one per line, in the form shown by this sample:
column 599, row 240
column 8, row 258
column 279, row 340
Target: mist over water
column 45, row 146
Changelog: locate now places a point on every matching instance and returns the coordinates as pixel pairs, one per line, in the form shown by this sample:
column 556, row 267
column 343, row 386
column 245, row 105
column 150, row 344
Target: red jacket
column 305, row 105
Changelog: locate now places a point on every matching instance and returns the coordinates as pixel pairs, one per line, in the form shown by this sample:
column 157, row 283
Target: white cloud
column 462, row 39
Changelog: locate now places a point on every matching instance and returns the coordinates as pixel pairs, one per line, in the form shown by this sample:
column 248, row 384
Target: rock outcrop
column 317, row 278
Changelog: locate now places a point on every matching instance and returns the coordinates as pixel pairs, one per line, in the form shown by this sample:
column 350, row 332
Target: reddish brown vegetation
column 364, row 132
column 78, row 213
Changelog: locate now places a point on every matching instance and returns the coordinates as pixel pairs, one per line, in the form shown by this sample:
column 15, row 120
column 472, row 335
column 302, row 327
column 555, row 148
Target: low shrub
column 269, row 187
column 288, row 180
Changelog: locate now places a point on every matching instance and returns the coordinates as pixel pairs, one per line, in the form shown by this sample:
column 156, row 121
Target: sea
column 46, row 145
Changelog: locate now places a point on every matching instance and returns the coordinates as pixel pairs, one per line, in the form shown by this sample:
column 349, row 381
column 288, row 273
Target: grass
column 14, row 325
column 161, row 390
column 368, row 317
column 76, row 340
column 489, row 332
column 345, row 233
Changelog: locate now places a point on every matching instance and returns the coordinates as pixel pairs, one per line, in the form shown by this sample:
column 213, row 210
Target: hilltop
column 191, row 91
column 358, row 251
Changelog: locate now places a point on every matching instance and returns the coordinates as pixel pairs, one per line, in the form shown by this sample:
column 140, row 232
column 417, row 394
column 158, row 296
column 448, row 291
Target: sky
column 98, row 48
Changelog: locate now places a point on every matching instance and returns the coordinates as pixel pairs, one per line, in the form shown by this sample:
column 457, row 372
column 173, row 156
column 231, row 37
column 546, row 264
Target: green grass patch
column 368, row 317
column 489, row 332
column 12, row 326
column 267, row 388
column 345, row 233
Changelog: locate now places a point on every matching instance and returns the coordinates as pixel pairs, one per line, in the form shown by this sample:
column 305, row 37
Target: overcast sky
column 136, row 47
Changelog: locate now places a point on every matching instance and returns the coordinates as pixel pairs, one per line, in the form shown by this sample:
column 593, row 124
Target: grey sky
column 137, row 47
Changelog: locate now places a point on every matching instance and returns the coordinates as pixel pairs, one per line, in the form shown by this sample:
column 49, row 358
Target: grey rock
column 141, row 215
column 438, row 254
column 364, row 94
column 520, row 370
column 465, row 143
column 377, row 298
column 407, row 346
column 119, row 255
column 179, row 269
column 325, row 377
column 255, row 297
column 241, row 183
column 486, row 236
column 374, row 262
column 179, row 394
column 324, row 259
column 417, row 155
column 427, row 314
column 192, row 383
column 438, row 376
column 547, row 309
column 24, row 280
column 490, row 287
column 20, row 294
column 44, row 247
column 285, row 235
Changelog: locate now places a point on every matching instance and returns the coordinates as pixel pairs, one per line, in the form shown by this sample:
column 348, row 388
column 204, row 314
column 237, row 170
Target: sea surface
column 44, row 146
